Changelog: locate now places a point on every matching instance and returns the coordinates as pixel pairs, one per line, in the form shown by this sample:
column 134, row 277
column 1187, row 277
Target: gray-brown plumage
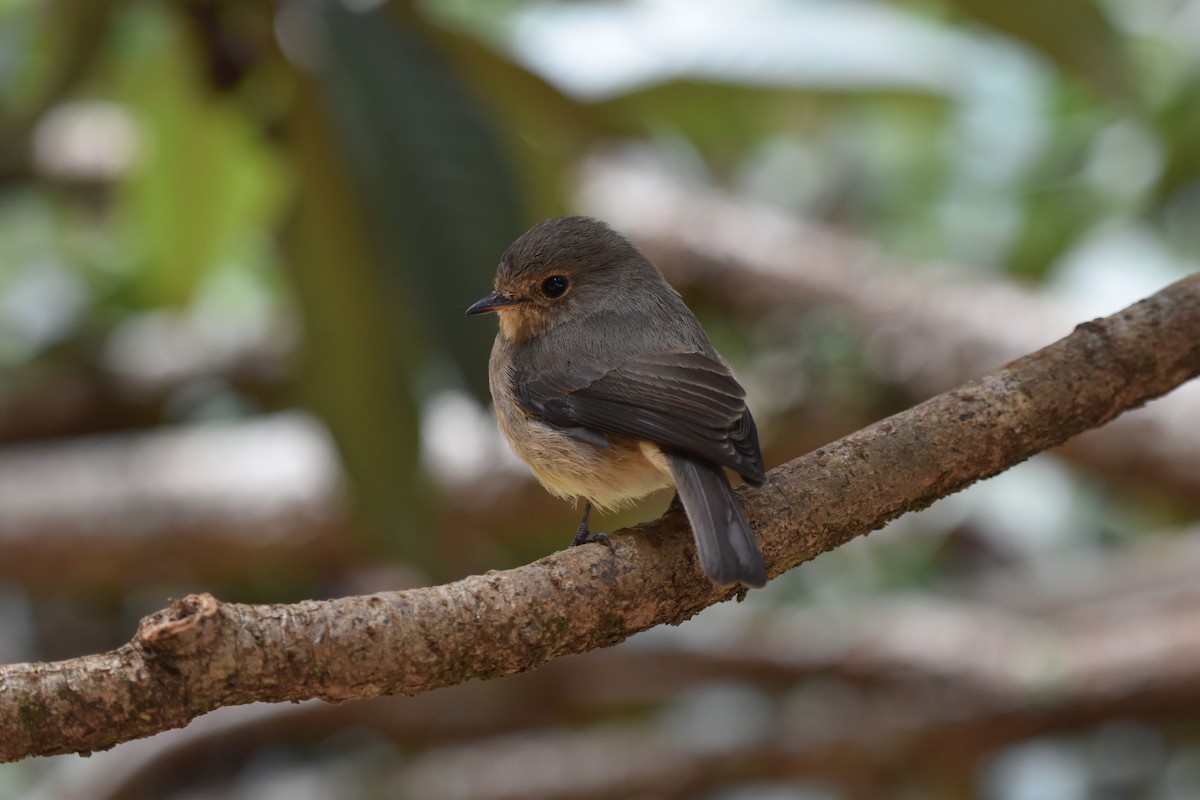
column 608, row 388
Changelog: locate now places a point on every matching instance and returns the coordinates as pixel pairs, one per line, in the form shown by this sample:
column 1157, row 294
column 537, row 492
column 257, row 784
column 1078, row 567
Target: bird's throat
column 516, row 327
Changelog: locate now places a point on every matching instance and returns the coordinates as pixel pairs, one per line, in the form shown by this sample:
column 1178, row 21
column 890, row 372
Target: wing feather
column 686, row 402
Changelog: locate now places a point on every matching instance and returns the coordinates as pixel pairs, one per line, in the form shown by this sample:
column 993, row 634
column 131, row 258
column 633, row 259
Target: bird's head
column 559, row 271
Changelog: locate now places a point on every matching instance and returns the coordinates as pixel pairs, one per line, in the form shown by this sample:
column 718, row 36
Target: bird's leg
column 583, row 535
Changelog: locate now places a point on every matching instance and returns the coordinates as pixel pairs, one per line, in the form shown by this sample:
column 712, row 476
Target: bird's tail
column 728, row 550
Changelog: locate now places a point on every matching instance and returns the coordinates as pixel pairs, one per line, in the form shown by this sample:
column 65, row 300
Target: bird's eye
column 554, row 286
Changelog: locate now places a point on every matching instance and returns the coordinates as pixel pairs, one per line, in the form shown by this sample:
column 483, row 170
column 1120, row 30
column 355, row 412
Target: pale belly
column 609, row 477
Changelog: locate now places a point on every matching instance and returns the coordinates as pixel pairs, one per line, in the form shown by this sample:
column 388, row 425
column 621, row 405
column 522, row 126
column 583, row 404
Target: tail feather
column 727, row 548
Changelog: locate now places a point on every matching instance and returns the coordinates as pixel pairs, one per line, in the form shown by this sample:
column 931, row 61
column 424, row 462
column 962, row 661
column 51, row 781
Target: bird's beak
column 493, row 302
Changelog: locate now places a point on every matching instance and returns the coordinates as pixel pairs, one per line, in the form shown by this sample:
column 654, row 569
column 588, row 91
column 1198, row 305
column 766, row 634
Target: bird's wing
column 686, row 402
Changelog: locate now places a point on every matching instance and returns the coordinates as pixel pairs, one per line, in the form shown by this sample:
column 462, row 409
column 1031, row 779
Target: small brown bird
column 608, row 388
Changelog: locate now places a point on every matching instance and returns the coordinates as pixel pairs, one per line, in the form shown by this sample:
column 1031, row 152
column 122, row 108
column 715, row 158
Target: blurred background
column 236, row 243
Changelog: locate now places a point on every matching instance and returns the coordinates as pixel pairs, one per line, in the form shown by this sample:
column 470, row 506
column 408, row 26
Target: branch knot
column 183, row 628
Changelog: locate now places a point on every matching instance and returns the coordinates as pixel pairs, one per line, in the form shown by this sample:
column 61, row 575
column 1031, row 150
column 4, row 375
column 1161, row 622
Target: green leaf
column 361, row 349
column 544, row 131
column 206, row 182
column 436, row 184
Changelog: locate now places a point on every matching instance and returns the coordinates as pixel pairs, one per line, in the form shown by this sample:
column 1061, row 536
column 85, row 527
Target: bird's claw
column 584, row 536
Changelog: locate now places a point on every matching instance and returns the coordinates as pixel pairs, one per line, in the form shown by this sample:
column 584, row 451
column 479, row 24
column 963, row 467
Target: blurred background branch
column 236, row 239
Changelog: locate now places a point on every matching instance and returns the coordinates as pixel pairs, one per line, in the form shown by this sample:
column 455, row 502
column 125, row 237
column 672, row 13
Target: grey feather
column 726, row 546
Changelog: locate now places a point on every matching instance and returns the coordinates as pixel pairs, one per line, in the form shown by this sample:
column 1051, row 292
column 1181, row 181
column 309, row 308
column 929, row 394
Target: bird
column 607, row 387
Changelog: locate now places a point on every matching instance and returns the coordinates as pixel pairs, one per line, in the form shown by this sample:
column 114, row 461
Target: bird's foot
column 585, row 536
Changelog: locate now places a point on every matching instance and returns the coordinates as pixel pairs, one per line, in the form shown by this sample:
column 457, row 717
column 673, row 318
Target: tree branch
column 200, row 654
column 1087, row 637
